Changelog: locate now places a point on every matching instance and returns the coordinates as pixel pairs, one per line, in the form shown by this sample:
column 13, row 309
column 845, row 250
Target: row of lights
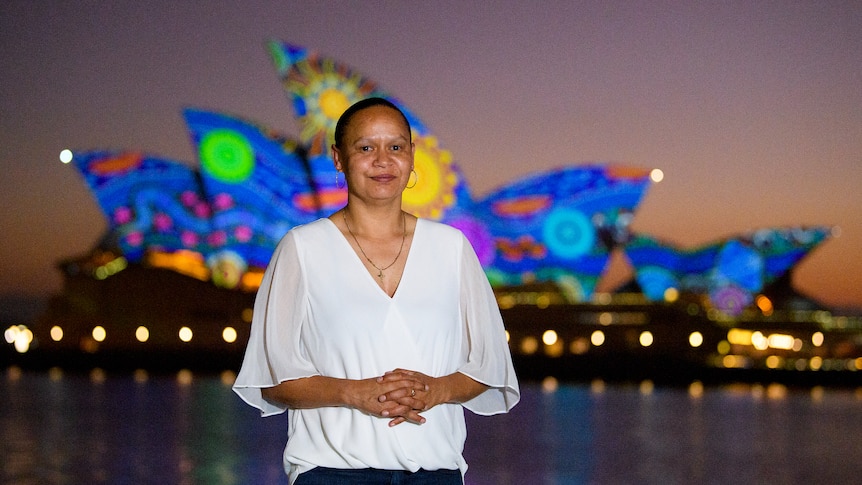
column 777, row 341
column 554, row 346
column 20, row 337
column 142, row 334
column 816, row 363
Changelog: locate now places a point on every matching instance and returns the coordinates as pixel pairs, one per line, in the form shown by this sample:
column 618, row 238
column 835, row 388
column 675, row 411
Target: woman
column 374, row 328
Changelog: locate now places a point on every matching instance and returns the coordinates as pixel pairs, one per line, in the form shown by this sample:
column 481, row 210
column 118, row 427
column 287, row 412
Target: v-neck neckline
column 364, row 269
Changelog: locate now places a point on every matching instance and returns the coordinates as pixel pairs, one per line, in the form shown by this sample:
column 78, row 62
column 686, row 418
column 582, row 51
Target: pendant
column 380, row 274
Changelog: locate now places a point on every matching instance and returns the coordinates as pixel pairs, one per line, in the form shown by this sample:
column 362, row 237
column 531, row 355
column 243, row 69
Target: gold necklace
column 378, row 268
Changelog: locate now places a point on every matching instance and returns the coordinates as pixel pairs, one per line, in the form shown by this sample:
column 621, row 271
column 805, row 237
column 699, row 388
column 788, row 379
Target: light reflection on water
column 191, row 429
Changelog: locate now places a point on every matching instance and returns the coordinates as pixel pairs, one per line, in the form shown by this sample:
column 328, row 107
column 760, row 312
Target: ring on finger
column 412, row 392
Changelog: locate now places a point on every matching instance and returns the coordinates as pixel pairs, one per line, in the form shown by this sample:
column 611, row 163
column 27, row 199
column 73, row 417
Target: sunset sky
column 753, row 110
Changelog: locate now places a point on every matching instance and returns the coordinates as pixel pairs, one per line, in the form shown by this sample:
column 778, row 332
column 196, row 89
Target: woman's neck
column 374, row 222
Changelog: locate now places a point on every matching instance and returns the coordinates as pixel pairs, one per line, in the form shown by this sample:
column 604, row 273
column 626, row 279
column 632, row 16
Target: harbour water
column 79, row 428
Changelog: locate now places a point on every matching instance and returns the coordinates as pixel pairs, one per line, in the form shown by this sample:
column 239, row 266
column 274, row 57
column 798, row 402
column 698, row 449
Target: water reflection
column 642, row 434
column 58, row 428
column 98, row 429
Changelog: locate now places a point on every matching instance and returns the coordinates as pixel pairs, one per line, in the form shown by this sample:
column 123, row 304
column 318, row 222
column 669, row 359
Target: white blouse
column 319, row 312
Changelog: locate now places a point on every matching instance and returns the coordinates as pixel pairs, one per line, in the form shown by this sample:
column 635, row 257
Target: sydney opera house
column 172, row 282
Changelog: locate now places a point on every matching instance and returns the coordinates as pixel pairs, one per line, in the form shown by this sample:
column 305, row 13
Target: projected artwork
column 557, row 226
column 254, row 184
column 151, row 204
column 257, row 184
column 731, row 272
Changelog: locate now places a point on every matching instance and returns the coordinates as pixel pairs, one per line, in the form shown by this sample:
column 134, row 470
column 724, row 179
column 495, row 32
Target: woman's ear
column 336, row 157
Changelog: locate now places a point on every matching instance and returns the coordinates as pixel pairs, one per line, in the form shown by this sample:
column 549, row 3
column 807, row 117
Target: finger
column 408, row 396
column 415, row 417
column 400, row 389
column 397, row 376
column 411, row 405
column 397, row 395
column 412, row 417
column 402, row 407
column 418, row 377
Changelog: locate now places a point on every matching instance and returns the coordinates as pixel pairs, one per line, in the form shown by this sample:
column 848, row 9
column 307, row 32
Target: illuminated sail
column 558, row 226
column 730, row 271
column 257, row 183
column 150, row 203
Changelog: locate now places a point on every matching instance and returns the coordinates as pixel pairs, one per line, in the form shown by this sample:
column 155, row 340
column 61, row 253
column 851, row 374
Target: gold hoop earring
column 412, row 172
column 337, row 185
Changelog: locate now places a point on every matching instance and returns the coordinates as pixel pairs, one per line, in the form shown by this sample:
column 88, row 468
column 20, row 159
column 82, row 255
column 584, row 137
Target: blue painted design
column 568, row 233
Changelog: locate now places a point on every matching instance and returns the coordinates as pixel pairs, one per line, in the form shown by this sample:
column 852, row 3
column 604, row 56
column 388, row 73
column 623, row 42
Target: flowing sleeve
column 488, row 358
column 274, row 353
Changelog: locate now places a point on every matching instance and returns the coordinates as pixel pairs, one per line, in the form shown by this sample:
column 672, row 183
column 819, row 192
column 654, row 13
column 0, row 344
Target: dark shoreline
column 660, row 372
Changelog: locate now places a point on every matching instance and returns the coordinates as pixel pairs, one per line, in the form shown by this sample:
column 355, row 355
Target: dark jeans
column 371, row 476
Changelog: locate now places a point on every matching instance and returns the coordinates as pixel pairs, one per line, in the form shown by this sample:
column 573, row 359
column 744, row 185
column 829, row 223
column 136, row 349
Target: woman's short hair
column 347, row 116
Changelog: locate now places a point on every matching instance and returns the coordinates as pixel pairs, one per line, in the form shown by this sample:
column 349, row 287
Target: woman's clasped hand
column 405, row 395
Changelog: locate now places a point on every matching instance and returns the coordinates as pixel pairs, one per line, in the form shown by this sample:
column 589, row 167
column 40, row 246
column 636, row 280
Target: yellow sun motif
column 435, row 180
column 333, row 103
column 326, row 90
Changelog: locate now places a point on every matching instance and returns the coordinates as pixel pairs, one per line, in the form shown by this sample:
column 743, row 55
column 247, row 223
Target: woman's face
column 377, row 154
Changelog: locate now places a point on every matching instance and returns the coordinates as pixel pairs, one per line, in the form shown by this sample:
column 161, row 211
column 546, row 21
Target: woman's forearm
column 309, row 392
column 461, row 388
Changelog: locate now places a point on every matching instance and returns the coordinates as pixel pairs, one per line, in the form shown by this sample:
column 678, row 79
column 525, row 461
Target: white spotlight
column 66, row 156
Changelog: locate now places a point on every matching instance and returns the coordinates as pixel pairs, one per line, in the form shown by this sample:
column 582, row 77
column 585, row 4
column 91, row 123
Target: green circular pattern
column 227, row 156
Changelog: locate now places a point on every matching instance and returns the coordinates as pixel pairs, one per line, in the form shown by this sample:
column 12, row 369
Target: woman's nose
column 381, row 158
